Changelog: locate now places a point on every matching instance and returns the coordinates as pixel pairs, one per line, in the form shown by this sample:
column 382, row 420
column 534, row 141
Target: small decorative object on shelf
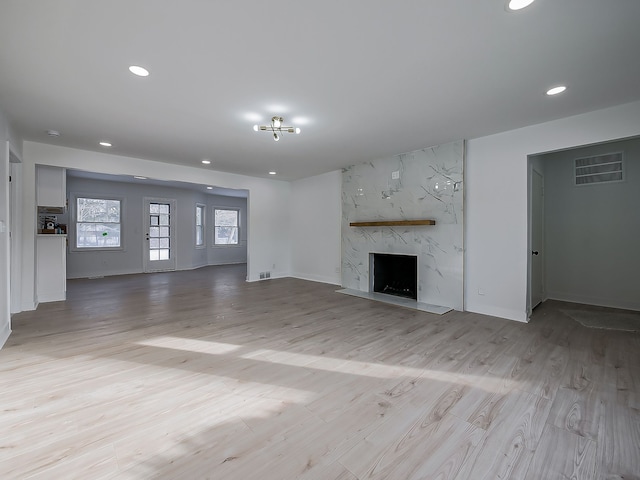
column 393, row 223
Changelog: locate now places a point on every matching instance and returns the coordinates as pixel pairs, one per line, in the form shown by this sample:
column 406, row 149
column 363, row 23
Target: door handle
column 534, row 252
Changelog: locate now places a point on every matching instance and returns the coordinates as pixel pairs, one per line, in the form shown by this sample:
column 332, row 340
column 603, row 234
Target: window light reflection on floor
column 486, row 382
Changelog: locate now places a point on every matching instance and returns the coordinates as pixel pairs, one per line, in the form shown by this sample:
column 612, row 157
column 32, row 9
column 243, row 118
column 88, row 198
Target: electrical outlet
column 261, row 275
column 395, row 175
column 267, row 274
column 273, row 267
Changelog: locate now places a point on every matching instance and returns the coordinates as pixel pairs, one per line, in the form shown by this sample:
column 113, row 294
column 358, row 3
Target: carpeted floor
column 613, row 320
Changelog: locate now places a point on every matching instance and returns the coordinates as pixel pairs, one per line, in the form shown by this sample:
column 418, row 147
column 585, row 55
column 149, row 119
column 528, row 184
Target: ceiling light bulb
column 297, row 130
column 209, row 188
column 519, row 4
column 556, row 90
column 139, row 177
column 256, row 128
column 105, row 144
column 276, row 122
column 206, row 162
column 272, row 173
column 276, row 137
column 139, row 71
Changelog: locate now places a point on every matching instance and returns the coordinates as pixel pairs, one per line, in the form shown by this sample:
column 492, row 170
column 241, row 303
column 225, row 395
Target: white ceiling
column 363, row 79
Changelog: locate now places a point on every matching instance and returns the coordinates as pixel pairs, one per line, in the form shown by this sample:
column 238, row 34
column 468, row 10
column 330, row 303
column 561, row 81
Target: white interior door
column 537, row 239
column 160, row 234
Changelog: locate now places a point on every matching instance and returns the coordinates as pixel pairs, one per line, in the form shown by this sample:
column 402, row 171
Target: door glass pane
column 159, row 232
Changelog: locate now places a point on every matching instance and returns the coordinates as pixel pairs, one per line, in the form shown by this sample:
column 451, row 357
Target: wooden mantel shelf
column 393, row 223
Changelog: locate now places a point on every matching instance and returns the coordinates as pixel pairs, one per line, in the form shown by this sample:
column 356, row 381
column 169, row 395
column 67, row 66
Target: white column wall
column 496, row 234
column 316, row 212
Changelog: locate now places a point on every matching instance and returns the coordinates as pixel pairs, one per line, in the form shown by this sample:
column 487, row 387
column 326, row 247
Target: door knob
column 534, row 252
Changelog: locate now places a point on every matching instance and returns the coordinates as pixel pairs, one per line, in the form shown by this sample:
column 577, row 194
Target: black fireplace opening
column 395, row 274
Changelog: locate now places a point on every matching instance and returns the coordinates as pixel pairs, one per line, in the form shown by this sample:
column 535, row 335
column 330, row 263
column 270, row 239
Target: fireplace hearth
column 394, row 274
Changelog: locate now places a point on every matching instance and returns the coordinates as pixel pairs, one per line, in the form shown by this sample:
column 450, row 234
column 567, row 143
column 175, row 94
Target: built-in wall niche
column 381, row 198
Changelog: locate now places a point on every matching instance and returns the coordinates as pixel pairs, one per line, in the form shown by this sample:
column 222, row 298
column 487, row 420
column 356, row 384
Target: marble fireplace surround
column 419, row 185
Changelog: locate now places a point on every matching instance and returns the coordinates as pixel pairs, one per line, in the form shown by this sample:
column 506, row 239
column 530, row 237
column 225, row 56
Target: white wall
column 9, row 141
column 82, row 264
column 268, row 205
column 496, row 179
column 5, row 316
column 592, row 231
column 316, row 219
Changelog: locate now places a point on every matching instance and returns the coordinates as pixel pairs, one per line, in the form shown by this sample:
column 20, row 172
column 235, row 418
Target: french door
column 159, row 234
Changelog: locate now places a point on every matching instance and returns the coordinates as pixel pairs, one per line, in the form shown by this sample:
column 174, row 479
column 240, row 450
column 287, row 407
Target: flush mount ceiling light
column 206, row 162
column 105, row 144
column 272, row 173
column 556, row 90
column 139, row 177
column 276, row 127
column 139, row 71
column 53, row 133
column 518, row 4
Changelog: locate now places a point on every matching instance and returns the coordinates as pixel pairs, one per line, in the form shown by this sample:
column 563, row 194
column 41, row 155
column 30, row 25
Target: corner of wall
column 5, row 332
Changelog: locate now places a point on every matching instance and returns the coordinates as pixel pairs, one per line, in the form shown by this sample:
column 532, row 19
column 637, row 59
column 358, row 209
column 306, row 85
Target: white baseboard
column 137, row 271
column 4, row 334
column 501, row 313
column 318, row 278
column 598, row 302
column 52, row 297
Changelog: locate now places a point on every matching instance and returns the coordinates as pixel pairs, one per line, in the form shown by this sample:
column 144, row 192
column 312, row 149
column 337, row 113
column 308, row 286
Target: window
column 225, row 223
column 97, row 223
column 200, row 216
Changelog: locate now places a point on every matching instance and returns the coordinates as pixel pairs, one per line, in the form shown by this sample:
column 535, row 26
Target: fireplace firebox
column 394, row 274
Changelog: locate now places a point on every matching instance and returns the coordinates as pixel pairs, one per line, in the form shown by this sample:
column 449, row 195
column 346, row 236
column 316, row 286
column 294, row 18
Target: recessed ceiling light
column 272, row 173
column 139, row 177
column 209, row 188
column 105, row 144
column 518, row 4
column 556, row 90
column 53, row 133
column 138, row 70
column 206, row 162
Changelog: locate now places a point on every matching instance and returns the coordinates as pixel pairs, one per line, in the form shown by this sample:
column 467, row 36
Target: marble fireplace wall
column 429, row 186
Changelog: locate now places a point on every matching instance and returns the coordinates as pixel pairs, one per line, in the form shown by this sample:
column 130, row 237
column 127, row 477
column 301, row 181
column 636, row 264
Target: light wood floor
column 194, row 375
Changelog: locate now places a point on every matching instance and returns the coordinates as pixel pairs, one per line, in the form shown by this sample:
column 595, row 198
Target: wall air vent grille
column 606, row 168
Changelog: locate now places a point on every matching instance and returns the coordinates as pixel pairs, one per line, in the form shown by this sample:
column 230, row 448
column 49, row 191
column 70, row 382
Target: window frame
column 73, row 221
column 203, row 226
column 213, row 240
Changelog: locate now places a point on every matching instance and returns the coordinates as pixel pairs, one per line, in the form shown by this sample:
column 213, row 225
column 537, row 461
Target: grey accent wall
column 130, row 259
column 592, row 232
column 225, row 254
column 429, row 186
